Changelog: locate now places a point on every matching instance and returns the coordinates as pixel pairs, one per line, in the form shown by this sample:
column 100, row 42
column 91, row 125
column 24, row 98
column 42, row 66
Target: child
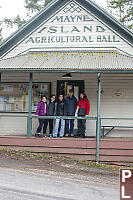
column 42, row 110
column 60, row 111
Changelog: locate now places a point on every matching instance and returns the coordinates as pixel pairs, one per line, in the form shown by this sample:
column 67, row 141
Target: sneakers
column 44, row 135
column 69, row 135
column 50, row 135
column 38, row 135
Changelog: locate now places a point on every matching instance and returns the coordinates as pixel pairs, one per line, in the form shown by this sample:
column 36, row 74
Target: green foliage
column 35, row 5
column 18, row 21
column 32, row 7
column 123, row 10
column 0, row 35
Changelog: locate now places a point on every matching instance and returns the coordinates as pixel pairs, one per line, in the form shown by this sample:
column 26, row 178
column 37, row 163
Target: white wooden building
column 69, row 36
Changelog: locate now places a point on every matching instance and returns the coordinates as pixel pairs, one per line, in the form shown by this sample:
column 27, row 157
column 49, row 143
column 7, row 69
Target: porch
column 107, row 85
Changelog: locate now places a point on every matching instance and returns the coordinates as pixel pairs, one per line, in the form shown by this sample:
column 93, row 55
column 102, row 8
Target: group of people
column 63, row 107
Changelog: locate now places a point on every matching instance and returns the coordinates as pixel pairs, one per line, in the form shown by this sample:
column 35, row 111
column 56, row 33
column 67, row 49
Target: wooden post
column 0, row 78
column 98, row 117
column 29, row 119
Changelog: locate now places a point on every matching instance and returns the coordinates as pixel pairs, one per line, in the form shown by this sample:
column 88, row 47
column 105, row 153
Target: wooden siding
column 118, row 151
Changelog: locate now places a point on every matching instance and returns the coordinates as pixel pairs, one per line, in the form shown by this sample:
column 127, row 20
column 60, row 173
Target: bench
column 111, row 128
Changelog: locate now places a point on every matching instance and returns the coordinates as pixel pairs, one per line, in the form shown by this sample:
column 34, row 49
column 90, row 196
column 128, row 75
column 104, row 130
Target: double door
column 63, row 87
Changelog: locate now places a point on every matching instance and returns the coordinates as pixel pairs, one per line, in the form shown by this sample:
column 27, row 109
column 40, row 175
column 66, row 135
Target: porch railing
column 29, row 131
column 112, row 126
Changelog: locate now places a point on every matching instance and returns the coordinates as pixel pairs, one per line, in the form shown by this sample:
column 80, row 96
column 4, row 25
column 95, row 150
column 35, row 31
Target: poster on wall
column 6, row 99
column 1, row 107
column 44, row 88
column 118, row 93
column 8, row 107
column 8, row 88
column 11, row 99
column 1, row 99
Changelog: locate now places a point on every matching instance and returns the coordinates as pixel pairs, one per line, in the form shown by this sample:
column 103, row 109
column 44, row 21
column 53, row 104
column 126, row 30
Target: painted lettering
column 52, row 29
column 37, row 39
column 75, row 29
column 72, row 39
column 30, row 40
column 67, row 19
column 63, row 31
column 99, row 38
column 43, row 40
column 108, row 38
column 42, row 29
column 114, row 39
column 88, row 28
column 104, row 39
column 58, row 19
column 84, row 39
column 73, row 17
column 76, row 18
column 77, row 38
column 99, row 29
column 86, row 18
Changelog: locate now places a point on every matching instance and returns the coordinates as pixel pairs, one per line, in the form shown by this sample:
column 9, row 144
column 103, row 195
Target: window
column 14, row 96
column 38, row 91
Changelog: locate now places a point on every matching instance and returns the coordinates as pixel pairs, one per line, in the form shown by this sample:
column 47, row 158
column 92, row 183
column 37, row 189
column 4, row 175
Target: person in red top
column 83, row 106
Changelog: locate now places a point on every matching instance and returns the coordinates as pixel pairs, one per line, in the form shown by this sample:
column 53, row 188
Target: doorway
column 64, row 86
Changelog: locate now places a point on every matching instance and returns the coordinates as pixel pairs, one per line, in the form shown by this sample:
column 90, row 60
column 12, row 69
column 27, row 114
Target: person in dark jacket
column 60, row 111
column 71, row 103
column 51, row 110
column 83, row 106
column 42, row 110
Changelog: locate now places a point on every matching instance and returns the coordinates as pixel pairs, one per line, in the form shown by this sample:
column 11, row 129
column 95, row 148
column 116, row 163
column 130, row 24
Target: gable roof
column 49, row 10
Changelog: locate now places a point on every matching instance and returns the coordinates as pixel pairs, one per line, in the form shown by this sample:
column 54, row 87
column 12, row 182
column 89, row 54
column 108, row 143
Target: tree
column 19, row 21
column 32, row 7
column 35, row 5
column 123, row 10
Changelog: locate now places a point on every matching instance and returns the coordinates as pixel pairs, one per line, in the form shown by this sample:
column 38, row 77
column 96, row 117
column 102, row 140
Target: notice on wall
column 1, row 107
column 6, row 99
column 11, row 99
column 8, row 107
column 118, row 92
column 44, row 88
column 8, row 88
column 1, row 99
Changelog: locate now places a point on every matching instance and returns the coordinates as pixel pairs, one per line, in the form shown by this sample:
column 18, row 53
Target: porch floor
column 112, row 150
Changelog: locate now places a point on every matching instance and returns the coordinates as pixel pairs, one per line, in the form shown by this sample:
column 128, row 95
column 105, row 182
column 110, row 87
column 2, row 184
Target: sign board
column 72, row 28
column 126, row 184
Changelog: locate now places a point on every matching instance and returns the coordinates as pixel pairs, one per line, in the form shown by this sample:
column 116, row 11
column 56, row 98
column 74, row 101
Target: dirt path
column 60, row 166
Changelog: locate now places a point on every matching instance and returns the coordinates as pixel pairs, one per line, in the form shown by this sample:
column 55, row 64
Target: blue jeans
column 71, row 122
column 55, row 131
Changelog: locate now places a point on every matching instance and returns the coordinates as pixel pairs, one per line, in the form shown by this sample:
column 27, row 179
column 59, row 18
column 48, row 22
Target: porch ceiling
column 68, row 61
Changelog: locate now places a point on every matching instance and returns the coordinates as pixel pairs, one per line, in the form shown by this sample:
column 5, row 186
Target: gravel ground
column 60, row 166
